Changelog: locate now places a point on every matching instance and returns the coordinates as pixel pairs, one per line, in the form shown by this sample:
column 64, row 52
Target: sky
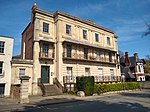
column 126, row 18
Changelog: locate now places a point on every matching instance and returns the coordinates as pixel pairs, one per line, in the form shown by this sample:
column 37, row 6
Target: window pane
column 1, row 67
column 108, row 41
column 2, row 47
column 84, row 34
column 45, row 49
column 68, row 29
column 21, row 71
column 96, row 37
column 85, row 53
column 69, row 50
column 45, row 27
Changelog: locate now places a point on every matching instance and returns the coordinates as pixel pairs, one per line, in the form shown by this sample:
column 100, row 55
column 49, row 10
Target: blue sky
column 125, row 17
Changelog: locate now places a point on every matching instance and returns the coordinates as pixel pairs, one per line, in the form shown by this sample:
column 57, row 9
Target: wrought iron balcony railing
column 43, row 55
column 97, row 79
column 76, row 56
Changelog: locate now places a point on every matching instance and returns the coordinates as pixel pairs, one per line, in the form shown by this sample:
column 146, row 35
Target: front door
column 45, row 74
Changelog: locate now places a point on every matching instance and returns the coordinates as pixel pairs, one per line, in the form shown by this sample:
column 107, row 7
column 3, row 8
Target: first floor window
column 98, row 55
column 85, row 53
column 2, row 47
column 45, row 49
column 21, row 71
column 69, row 50
column 110, row 56
column 87, row 71
column 1, row 67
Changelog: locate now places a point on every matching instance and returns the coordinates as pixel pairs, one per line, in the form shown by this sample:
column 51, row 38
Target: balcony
column 82, row 57
column 2, row 74
column 98, row 79
column 49, row 56
column 69, row 79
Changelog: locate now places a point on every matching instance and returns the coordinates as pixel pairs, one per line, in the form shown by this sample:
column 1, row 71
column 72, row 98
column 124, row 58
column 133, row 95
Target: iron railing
column 97, row 79
column 88, row 57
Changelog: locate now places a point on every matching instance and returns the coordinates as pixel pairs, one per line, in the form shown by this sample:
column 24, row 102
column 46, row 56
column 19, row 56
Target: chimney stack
column 135, row 54
column 126, row 54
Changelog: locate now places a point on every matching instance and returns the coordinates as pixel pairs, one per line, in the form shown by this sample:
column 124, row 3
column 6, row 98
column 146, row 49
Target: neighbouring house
column 60, row 47
column 6, row 49
column 132, row 67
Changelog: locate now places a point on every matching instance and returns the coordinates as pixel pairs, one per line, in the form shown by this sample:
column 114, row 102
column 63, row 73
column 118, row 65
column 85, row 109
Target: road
column 126, row 102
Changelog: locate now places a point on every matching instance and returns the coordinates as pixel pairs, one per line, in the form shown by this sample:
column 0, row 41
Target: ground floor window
column 21, row 71
column 1, row 67
column 2, row 89
column 87, row 71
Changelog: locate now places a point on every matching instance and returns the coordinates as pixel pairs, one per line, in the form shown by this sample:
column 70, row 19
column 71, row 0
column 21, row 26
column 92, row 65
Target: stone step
column 51, row 90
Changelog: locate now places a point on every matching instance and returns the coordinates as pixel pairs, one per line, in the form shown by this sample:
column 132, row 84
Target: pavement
column 10, row 104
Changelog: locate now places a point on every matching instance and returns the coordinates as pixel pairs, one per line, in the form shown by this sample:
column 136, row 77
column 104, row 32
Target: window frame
column 108, row 41
column 22, row 71
column 45, row 27
column 112, row 73
column 1, row 67
column 87, row 70
column 85, row 53
column 68, row 29
column 69, row 50
column 96, row 37
column 45, row 49
column 2, row 47
column 84, row 34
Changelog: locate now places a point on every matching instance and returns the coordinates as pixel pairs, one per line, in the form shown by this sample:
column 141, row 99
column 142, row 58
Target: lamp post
column 123, row 80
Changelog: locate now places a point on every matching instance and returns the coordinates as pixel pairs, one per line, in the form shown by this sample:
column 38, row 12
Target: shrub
column 103, row 88
column 85, row 84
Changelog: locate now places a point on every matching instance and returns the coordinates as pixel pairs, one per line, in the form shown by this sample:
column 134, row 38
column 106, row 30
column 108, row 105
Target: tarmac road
column 125, row 102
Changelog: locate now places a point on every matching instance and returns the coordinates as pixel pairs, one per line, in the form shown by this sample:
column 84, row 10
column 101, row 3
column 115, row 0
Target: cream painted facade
column 6, row 49
column 27, row 67
column 64, row 53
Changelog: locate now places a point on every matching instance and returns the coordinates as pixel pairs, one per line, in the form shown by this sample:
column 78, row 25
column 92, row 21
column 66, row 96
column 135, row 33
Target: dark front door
column 2, row 88
column 45, row 74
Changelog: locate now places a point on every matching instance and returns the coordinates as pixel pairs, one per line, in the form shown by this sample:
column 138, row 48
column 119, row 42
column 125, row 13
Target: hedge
column 103, row 88
column 85, row 84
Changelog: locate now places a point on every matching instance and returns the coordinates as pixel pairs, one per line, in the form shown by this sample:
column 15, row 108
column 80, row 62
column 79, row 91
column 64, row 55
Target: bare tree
column 146, row 33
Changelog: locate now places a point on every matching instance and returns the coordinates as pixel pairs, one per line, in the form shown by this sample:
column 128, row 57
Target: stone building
column 63, row 47
column 132, row 67
column 6, row 49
